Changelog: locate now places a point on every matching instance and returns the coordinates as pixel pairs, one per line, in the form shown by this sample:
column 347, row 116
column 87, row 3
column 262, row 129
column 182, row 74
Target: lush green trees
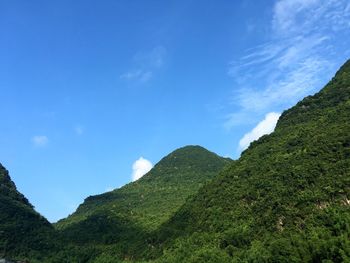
column 287, row 199
column 23, row 232
column 125, row 218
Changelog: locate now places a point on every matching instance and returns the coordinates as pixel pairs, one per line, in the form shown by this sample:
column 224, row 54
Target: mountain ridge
column 282, row 192
column 286, row 199
column 138, row 208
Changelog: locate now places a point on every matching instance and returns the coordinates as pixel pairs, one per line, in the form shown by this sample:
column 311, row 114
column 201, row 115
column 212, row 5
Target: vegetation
column 122, row 219
column 287, row 199
column 23, row 232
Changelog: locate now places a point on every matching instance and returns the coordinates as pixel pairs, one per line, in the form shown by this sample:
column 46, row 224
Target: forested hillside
column 287, row 199
column 23, row 232
column 130, row 213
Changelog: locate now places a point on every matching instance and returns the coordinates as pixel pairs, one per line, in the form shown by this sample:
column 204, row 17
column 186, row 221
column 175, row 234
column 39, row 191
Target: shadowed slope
column 23, row 232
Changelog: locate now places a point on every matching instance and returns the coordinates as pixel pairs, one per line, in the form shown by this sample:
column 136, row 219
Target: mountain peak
column 151, row 200
column 191, row 156
column 189, row 150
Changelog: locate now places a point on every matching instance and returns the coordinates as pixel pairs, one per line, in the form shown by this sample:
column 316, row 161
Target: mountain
column 24, row 233
column 287, row 199
column 142, row 206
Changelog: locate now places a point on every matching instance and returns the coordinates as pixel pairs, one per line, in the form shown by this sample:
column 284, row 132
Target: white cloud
column 266, row 126
column 299, row 57
column 40, row 140
column 140, row 167
column 310, row 16
column 286, row 13
column 146, row 64
column 283, row 89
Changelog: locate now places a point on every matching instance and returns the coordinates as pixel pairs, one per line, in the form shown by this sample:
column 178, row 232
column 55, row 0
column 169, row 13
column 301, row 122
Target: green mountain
column 23, row 232
column 118, row 217
column 287, row 199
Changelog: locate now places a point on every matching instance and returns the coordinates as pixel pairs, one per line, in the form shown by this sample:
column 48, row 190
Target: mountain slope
column 287, row 199
column 144, row 205
column 23, row 232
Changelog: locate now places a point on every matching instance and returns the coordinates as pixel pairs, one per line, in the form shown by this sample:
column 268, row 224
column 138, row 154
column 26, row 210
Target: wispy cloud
column 140, row 167
column 266, row 126
column 298, row 57
column 283, row 87
column 286, row 13
column 40, row 140
column 146, row 64
column 310, row 16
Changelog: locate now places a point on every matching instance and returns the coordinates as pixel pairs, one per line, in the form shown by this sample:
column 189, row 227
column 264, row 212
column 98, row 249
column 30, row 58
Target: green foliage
column 23, row 232
column 126, row 217
column 287, row 198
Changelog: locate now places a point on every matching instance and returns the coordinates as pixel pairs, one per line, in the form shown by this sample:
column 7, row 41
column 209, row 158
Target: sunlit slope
column 287, row 199
column 145, row 204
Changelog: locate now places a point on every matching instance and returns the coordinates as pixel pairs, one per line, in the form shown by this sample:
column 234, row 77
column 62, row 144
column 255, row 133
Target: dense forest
column 286, row 199
column 117, row 220
column 23, row 232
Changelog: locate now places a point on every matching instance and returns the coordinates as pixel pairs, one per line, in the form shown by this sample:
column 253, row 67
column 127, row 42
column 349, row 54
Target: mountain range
column 286, row 199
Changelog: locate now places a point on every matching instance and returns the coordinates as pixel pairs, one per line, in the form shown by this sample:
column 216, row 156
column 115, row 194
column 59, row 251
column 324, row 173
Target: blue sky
column 94, row 93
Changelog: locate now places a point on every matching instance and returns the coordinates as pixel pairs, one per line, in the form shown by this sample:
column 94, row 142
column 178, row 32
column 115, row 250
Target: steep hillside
column 287, row 199
column 144, row 205
column 23, row 232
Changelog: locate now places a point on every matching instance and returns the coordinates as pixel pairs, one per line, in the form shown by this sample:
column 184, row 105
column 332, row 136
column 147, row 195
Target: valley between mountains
column 286, row 199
